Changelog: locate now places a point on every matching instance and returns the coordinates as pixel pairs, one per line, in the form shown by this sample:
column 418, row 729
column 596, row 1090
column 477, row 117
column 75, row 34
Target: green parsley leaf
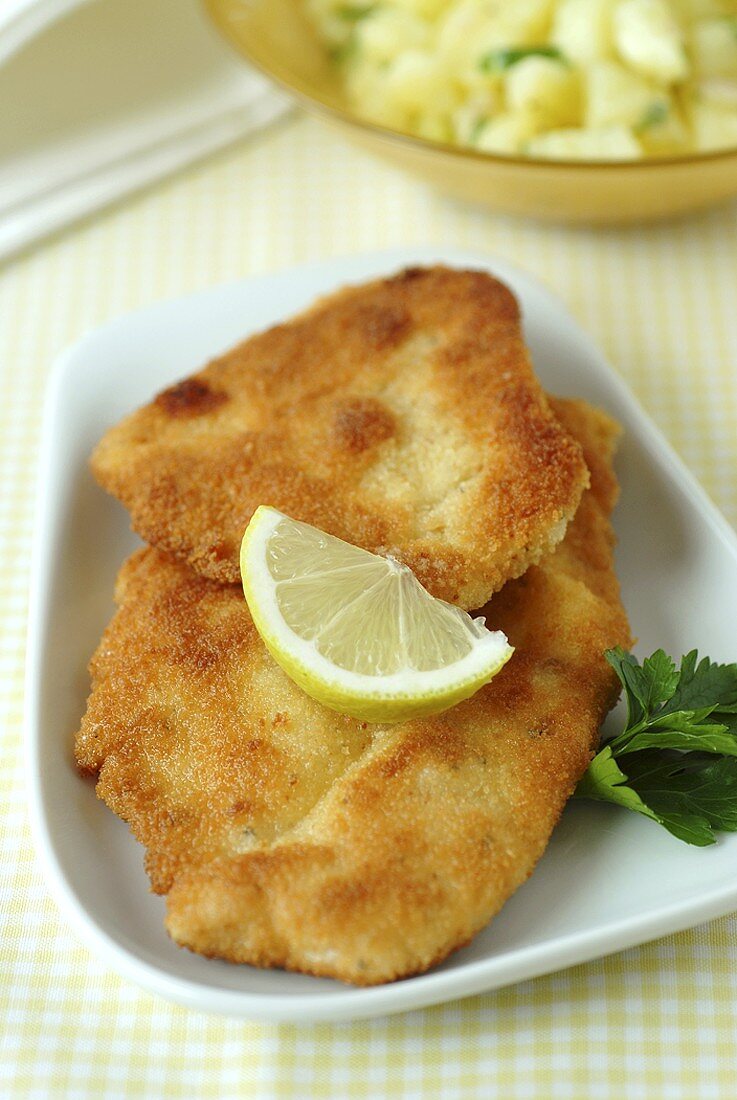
column 726, row 719
column 683, row 734
column 705, row 684
column 695, row 785
column 498, row 61
column 477, row 130
column 655, row 115
column 344, row 52
column 606, row 782
column 661, row 675
column 676, row 759
column 351, row 14
column 633, row 681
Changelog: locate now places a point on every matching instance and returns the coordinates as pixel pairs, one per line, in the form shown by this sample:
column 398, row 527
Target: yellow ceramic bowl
column 275, row 36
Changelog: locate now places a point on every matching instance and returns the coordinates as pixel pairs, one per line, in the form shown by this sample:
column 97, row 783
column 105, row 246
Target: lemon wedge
column 357, row 631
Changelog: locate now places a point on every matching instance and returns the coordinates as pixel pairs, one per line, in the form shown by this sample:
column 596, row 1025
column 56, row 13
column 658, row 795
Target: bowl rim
column 401, row 137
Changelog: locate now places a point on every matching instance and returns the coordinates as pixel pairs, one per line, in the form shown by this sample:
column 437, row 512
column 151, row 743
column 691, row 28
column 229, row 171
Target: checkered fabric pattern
column 655, row 1022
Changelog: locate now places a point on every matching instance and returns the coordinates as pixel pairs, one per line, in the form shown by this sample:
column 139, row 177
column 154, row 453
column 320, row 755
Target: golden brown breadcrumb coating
column 402, row 415
column 286, row 835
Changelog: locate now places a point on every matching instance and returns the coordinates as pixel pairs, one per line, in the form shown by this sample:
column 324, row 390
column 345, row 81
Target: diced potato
column 366, row 84
column 334, row 27
column 471, row 29
column 718, row 92
column 427, row 9
column 461, row 30
column 386, row 31
column 615, row 96
column 527, row 21
column 434, row 127
column 615, row 143
column 582, row 29
column 475, row 79
column 713, row 128
column 546, row 88
column 714, row 47
column 690, row 10
column 600, row 79
column 649, row 39
column 415, row 80
column 663, row 130
column 508, row 134
column 470, row 118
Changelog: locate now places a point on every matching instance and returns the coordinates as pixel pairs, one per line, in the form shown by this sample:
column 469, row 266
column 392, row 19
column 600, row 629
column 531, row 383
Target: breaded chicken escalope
column 286, row 835
column 402, row 415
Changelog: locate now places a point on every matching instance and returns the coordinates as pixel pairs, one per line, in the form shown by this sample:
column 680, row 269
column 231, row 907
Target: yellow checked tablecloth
column 659, row 1021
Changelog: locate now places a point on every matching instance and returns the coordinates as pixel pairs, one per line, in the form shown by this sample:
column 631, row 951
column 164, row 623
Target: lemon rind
column 407, row 693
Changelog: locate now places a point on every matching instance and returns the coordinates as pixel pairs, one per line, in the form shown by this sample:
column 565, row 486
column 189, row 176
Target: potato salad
column 562, row 79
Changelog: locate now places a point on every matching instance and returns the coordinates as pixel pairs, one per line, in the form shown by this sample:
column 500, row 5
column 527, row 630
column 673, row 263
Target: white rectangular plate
column 608, row 879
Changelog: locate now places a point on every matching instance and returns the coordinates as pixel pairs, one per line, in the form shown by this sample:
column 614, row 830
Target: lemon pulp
column 357, row 631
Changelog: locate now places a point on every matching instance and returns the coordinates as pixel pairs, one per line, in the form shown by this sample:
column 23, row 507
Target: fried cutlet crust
column 286, row 835
column 402, row 415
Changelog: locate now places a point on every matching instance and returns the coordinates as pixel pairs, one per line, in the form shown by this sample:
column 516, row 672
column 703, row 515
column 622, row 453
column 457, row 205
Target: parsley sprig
column 354, row 13
column 498, row 61
column 676, row 759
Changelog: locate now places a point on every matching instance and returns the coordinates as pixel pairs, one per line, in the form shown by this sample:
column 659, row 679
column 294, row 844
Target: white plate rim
column 354, row 1003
